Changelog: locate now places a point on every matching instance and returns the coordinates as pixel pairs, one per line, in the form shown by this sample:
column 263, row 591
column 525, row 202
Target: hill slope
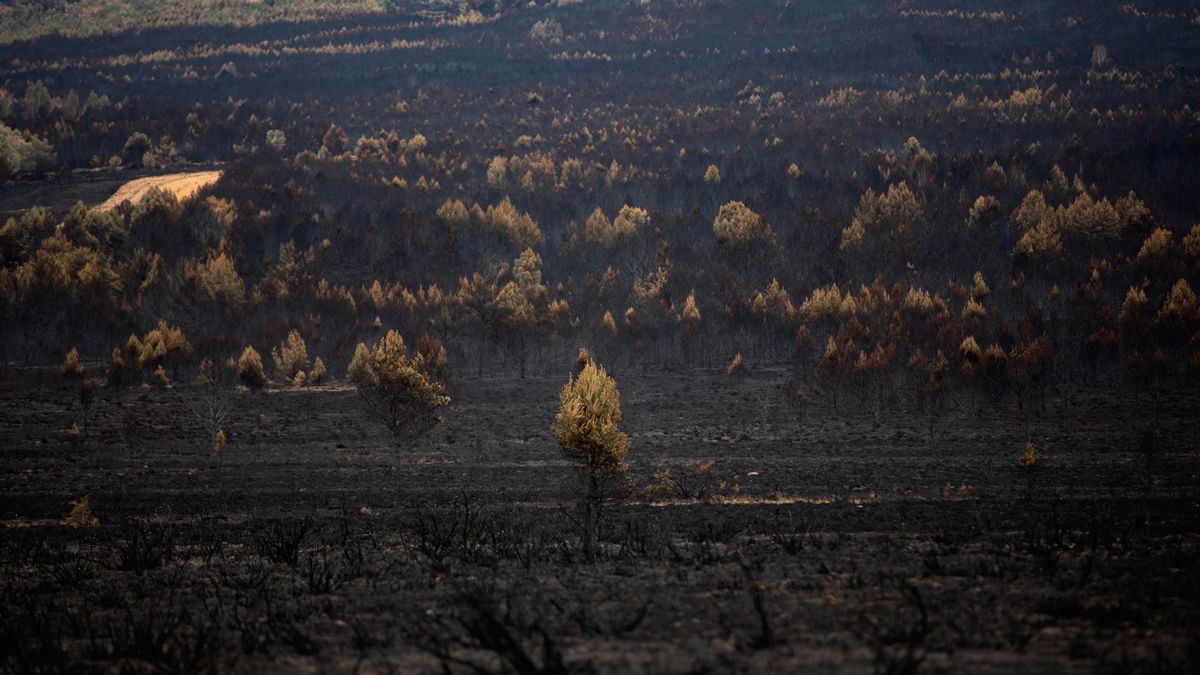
column 23, row 19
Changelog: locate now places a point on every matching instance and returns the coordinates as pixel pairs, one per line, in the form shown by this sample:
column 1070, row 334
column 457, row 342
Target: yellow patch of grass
column 182, row 185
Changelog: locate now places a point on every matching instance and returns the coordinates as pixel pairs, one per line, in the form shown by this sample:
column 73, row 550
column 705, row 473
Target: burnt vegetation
column 590, row 335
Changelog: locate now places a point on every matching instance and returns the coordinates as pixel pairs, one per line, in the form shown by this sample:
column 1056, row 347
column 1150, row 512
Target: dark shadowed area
column 599, row 336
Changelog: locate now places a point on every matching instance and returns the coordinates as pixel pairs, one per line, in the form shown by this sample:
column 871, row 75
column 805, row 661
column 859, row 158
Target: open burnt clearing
column 819, row 543
column 890, row 311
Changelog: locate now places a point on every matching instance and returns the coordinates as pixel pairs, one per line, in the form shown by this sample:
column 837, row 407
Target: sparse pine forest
column 595, row 335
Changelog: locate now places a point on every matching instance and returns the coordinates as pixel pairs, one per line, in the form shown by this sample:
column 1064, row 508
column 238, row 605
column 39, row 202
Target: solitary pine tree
column 291, row 358
column 72, row 368
column 397, row 389
column 213, row 403
column 586, row 428
column 250, row 369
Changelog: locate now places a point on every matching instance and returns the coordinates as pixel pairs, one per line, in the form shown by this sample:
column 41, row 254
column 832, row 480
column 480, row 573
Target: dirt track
column 96, row 186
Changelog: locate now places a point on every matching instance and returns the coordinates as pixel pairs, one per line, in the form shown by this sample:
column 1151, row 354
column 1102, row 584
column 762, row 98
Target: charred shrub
column 32, row 633
column 468, row 531
column 167, row 637
column 280, row 540
column 697, row 481
column 481, row 621
column 899, row 641
column 143, row 545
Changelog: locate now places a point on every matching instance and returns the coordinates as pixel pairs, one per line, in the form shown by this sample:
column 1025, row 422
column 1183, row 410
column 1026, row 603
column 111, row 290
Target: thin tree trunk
column 591, row 517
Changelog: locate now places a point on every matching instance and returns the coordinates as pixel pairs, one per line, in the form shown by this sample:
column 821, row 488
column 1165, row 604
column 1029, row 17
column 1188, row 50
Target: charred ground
column 899, row 298
column 815, row 543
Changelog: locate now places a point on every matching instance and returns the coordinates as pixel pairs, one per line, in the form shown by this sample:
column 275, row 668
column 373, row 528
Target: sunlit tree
column 291, row 358
column 587, row 431
column 72, row 367
column 397, row 389
column 736, row 225
column 514, row 321
column 250, row 369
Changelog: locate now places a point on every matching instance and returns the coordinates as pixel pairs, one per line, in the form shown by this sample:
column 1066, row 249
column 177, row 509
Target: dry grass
column 182, row 185
column 26, row 19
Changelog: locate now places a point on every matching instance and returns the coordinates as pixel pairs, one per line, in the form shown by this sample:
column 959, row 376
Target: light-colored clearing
column 182, row 185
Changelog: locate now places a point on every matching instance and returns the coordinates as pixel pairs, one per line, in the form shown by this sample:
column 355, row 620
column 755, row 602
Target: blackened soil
column 817, row 541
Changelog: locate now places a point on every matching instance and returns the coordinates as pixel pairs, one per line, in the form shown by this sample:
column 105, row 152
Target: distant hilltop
column 24, row 19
